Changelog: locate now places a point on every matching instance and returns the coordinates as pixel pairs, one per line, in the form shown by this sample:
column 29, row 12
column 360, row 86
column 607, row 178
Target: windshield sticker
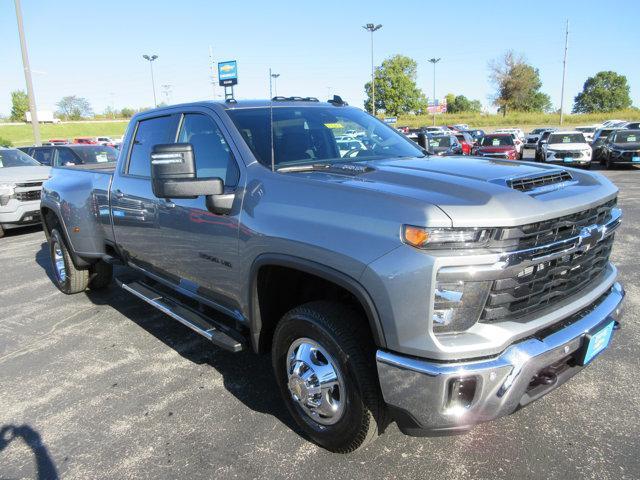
column 333, row 125
column 566, row 139
column 102, row 157
column 495, row 142
column 631, row 138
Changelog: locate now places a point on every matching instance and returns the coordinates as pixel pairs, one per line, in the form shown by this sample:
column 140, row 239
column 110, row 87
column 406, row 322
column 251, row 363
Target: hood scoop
column 539, row 183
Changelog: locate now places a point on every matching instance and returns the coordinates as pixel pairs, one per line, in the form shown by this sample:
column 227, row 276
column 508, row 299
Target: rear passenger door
column 134, row 208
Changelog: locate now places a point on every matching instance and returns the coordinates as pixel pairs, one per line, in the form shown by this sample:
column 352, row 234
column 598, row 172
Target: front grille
column 545, row 284
column 530, row 183
column 549, row 231
column 559, row 153
column 28, row 196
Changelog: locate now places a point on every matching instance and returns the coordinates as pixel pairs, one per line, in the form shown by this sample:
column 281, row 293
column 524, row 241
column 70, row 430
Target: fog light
column 462, row 391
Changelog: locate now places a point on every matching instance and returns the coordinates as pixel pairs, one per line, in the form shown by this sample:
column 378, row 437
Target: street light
column 275, row 82
column 372, row 28
column 153, row 83
column 434, row 61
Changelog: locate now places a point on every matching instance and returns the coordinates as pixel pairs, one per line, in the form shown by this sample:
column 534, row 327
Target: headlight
column 457, row 306
column 7, row 192
column 421, row 237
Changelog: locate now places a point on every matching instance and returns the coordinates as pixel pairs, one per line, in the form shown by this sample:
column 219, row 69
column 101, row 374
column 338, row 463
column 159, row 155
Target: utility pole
column 434, row 61
column 27, row 76
column 213, row 72
column 372, row 28
column 150, row 59
column 564, row 71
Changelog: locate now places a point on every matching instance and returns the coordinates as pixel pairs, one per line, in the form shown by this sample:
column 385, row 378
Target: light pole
column 273, row 76
column 434, row 61
column 27, row 76
column 372, row 28
column 153, row 83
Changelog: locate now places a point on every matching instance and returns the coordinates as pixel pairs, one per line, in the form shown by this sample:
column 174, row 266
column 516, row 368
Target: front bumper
column 559, row 157
column 420, row 390
column 20, row 214
column 629, row 157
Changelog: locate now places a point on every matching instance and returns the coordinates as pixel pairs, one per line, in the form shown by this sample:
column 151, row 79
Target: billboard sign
column 390, row 120
column 439, row 107
column 228, row 73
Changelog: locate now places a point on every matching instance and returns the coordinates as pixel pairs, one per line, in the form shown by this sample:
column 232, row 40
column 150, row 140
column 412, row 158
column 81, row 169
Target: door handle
column 118, row 193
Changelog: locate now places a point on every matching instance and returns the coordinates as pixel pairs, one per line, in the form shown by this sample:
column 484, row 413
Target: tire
column 344, row 345
column 607, row 163
column 67, row 277
column 587, row 166
column 100, row 275
column 1, row 231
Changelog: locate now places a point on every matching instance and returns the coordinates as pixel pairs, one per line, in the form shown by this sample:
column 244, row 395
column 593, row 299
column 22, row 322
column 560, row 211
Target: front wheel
column 1, row 231
column 324, row 363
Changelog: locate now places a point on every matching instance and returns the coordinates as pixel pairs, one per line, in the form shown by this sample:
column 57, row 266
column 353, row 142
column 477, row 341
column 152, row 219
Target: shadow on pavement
column 45, row 468
column 246, row 375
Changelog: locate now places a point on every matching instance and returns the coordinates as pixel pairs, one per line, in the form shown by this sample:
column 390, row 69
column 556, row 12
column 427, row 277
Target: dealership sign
column 439, row 107
column 228, row 73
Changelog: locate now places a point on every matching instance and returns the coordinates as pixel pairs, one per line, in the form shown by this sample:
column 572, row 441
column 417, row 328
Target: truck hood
column 24, row 174
column 473, row 191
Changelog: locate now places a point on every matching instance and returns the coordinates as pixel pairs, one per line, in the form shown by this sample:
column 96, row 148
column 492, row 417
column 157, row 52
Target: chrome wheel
column 58, row 263
column 315, row 382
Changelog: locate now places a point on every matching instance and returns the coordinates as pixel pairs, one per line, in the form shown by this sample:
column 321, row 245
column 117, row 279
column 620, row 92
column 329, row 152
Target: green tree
column 604, row 92
column 517, row 85
column 19, row 105
column 127, row 112
column 396, row 89
column 74, row 108
column 460, row 103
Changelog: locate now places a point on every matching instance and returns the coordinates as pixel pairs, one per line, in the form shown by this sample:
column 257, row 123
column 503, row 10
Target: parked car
column 497, row 145
column 588, row 131
column 621, row 147
column 71, row 154
column 598, row 143
column 518, row 132
column 350, row 272
column 466, row 142
column 461, row 127
column 476, row 134
column 531, row 140
column 21, row 180
column 568, row 147
column 539, row 153
column 86, row 140
column 444, row 145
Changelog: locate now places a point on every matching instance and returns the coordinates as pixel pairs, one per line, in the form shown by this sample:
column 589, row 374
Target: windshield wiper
column 310, row 167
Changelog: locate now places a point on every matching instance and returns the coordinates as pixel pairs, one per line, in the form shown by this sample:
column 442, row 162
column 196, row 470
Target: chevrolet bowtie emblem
column 590, row 236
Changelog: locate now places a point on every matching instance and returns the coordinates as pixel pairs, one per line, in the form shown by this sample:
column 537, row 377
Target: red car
column 466, row 141
column 85, row 141
column 497, row 145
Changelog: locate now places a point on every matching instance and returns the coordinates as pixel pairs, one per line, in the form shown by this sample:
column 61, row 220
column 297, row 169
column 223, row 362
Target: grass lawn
column 20, row 135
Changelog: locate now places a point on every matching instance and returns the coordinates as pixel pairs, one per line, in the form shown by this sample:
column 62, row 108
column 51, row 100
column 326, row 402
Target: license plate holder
column 568, row 160
column 595, row 342
column 635, row 159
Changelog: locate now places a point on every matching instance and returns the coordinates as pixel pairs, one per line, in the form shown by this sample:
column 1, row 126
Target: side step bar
column 185, row 315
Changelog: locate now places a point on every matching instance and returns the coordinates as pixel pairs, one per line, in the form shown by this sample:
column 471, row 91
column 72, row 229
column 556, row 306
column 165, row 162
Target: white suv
column 569, row 147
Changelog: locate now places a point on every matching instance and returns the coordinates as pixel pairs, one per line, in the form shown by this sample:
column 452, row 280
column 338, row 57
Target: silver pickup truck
column 386, row 283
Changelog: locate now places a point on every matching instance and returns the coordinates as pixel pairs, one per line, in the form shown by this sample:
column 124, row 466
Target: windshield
column 586, row 129
column 16, row 158
column 436, row 142
column 566, row 138
column 97, row 154
column 497, row 140
column 628, row 137
column 535, row 131
column 311, row 134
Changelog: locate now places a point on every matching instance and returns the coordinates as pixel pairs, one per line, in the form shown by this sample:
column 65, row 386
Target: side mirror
column 173, row 173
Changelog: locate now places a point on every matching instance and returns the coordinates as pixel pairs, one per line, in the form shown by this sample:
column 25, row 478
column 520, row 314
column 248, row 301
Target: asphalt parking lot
column 101, row 385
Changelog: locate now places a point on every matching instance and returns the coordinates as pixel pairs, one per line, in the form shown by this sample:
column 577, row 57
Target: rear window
column 97, row 154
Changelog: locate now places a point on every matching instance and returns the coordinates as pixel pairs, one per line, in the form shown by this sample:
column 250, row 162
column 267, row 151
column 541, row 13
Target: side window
column 149, row 133
column 43, row 155
column 213, row 156
column 66, row 157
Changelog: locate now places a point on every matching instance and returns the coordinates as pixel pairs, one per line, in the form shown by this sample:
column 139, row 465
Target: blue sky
column 93, row 49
